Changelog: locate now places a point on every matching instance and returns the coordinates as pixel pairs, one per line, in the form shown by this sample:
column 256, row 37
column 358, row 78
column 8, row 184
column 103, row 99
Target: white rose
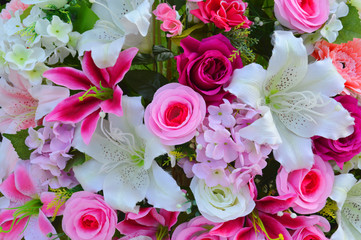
column 220, row 204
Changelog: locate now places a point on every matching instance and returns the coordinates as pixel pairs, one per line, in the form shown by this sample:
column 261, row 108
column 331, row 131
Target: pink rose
column 173, row 26
column 205, row 66
column 175, row 113
column 148, row 222
column 88, row 216
column 343, row 149
column 309, row 233
column 164, row 11
column 311, row 187
column 302, row 16
column 225, row 14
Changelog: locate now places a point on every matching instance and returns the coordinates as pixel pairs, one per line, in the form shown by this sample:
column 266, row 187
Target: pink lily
column 22, row 105
column 276, row 226
column 27, row 213
column 148, row 222
column 99, row 91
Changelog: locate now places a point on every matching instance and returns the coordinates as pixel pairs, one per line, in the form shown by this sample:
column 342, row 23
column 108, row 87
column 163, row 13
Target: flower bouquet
column 181, row 120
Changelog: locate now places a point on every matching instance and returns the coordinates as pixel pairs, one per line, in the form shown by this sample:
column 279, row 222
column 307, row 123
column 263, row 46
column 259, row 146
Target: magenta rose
column 225, row 14
column 302, row 16
column 343, row 149
column 88, row 216
column 205, row 66
column 175, row 113
column 311, row 187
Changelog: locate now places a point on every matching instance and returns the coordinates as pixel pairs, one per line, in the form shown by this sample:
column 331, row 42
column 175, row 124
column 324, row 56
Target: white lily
column 298, row 97
column 347, row 194
column 123, row 165
column 117, row 22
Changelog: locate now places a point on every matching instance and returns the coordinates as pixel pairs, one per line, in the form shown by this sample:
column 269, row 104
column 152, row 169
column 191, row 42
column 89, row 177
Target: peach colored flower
column 346, row 57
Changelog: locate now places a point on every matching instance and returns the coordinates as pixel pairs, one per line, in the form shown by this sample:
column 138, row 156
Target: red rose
column 225, row 14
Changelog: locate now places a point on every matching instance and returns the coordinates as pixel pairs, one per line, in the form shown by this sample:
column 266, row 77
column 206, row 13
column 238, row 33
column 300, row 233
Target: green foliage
column 161, row 53
column 78, row 159
column 263, row 10
column 142, row 83
column 77, row 12
column 18, row 141
column 240, row 39
column 178, row 3
column 351, row 26
column 82, row 16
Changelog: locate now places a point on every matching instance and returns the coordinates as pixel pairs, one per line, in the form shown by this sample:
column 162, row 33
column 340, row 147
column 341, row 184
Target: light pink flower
column 302, row 16
column 23, row 188
column 164, row 11
column 12, row 7
column 148, row 222
column 312, row 187
column 174, row 26
column 88, row 216
column 22, row 105
column 8, row 158
column 99, row 91
column 175, row 113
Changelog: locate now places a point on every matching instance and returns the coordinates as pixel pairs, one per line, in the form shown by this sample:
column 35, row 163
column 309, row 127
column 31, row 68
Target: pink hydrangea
column 175, row 113
column 88, row 216
column 311, row 187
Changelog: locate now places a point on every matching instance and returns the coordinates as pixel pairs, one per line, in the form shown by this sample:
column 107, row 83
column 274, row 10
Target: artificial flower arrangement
column 181, row 120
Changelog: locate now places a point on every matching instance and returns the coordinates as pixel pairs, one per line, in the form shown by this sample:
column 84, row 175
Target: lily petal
column 89, row 125
column 288, row 64
column 48, row 97
column 73, row 110
column 247, row 83
column 95, row 75
column 322, row 120
column 163, row 191
column 268, row 135
column 295, row 152
column 114, row 105
column 121, row 66
column 125, row 186
column 69, row 77
column 89, row 175
column 322, row 77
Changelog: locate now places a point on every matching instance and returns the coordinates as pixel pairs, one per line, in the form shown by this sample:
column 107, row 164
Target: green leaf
column 18, row 141
column 162, row 53
column 142, row 59
column 176, row 39
column 142, row 82
column 178, row 3
column 83, row 17
column 351, row 26
column 78, row 159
